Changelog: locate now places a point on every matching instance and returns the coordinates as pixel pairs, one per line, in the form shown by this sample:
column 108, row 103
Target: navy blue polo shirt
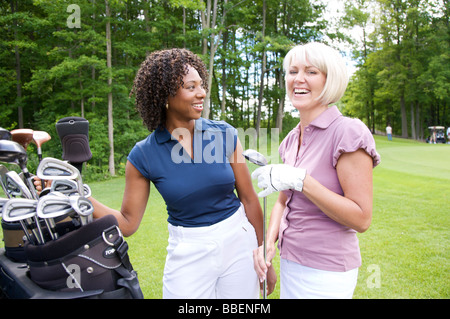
column 199, row 191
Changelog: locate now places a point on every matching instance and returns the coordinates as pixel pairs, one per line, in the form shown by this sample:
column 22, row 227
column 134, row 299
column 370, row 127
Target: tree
column 397, row 68
column 80, row 60
column 110, row 97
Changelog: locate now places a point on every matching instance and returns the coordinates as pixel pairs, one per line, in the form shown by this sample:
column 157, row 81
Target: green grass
column 405, row 252
column 408, row 241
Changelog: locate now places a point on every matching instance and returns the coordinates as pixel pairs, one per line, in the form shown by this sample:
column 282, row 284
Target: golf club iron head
column 12, row 152
column 2, row 203
column 255, row 157
column 16, row 187
column 83, row 207
column 23, row 210
column 55, row 169
column 69, row 187
column 17, row 209
column 52, row 206
column 3, row 171
column 65, row 186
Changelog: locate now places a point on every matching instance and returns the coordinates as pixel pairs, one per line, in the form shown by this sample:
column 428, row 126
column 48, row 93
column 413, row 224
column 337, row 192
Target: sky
column 335, row 10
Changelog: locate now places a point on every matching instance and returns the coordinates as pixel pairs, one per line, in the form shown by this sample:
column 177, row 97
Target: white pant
column 300, row 282
column 212, row 262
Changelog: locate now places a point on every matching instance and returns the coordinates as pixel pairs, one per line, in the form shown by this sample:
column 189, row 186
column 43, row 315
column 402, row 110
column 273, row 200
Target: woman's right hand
column 264, row 269
column 37, row 182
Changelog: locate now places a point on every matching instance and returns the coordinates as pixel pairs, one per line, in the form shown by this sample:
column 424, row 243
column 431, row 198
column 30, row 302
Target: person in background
column 324, row 185
column 389, row 132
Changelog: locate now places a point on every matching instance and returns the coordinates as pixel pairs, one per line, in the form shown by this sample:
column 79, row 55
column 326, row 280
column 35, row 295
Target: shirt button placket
column 304, row 141
column 306, row 137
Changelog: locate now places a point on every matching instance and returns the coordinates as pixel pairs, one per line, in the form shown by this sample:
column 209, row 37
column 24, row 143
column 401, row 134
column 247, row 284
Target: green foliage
column 50, row 67
column 404, row 70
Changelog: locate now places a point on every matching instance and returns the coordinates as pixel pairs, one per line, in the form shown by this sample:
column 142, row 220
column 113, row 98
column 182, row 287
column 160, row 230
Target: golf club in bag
column 59, row 251
column 257, row 158
column 5, row 134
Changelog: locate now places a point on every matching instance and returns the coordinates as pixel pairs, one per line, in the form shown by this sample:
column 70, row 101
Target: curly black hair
column 161, row 75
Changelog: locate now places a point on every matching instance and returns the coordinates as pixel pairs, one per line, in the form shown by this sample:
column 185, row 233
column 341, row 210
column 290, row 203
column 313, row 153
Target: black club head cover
column 74, row 135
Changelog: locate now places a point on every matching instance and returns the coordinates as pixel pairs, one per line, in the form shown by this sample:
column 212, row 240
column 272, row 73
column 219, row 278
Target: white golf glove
column 278, row 177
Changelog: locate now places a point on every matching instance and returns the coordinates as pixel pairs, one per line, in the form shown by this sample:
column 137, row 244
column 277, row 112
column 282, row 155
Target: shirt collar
column 326, row 118
column 162, row 135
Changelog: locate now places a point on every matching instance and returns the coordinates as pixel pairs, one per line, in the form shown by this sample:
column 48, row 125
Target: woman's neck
column 307, row 116
column 172, row 124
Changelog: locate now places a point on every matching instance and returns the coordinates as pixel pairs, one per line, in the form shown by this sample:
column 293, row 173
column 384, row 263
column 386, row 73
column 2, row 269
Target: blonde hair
column 328, row 61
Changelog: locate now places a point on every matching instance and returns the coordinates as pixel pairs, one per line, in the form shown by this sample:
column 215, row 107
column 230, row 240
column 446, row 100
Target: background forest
column 63, row 58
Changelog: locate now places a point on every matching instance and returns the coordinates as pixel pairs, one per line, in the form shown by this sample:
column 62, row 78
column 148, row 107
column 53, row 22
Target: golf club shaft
column 39, row 152
column 264, row 246
column 257, row 158
column 36, row 230
column 50, row 223
column 25, row 230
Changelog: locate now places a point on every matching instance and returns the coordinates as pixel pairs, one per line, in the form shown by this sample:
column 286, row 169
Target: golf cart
column 439, row 135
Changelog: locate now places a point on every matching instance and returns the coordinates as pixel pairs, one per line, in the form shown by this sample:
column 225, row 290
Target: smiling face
column 317, row 68
column 187, row 104
column 304, row 84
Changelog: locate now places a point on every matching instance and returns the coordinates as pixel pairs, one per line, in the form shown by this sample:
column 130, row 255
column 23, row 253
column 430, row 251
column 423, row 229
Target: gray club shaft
column 259, row 159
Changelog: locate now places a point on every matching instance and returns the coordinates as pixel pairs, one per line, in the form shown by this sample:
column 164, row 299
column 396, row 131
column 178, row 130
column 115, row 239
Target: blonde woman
column 325, row 183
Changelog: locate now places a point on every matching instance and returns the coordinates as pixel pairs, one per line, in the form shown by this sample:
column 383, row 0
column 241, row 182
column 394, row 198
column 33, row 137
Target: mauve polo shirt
column 307, row 236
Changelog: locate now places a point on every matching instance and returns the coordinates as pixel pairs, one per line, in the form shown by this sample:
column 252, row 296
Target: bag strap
column 129, row 278
column 119, row 245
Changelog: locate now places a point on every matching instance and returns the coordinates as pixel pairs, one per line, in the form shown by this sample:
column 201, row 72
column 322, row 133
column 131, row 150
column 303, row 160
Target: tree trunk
column 263, row 71
column 224, row 80
column 404, row 119
column 213, row 44
column 280, row 112
column 18, row 73
column 112, row 170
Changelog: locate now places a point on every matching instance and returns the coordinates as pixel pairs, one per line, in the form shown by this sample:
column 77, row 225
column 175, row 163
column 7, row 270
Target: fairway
column 405, row 252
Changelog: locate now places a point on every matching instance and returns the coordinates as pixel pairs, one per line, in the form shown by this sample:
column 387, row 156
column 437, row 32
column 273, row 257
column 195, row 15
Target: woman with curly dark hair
column 159, row 77
column 197, row 165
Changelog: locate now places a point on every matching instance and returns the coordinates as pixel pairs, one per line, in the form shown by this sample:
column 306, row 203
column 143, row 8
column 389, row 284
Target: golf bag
column 13, row 237
column 13, row 241
column 91, row 258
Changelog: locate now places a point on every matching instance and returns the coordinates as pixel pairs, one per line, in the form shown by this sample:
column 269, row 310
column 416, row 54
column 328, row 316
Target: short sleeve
column 231, row 136
column 352, row 136
column 139, row 160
